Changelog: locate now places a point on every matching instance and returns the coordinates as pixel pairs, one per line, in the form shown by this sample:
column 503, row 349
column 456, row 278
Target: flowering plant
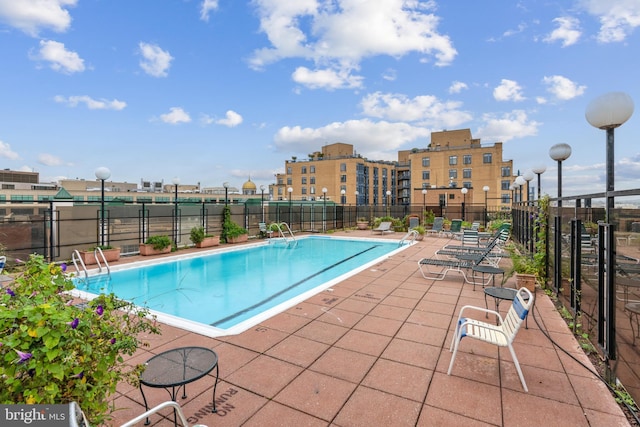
column 52, row 351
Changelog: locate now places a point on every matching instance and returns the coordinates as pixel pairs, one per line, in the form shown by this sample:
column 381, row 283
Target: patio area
column 374, row 351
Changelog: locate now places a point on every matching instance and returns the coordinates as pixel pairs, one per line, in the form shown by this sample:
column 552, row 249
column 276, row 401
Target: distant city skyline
column 213, row 91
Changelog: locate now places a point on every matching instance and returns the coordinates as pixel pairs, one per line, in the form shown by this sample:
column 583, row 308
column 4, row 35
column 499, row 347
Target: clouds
column 176, row 115
column 155, row 61
column 507, row 126
column 90, row 103
column 618, row 18
column 508, row 90
column 206, row 7
column 59, row 58
column 32, row 16
column 232, row 119
column 568, row 31
column 6, row 152
column 562, row 88
column 337, row 36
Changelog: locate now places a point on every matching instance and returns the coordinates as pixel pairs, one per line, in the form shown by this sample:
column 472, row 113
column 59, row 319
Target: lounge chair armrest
column 480, row 309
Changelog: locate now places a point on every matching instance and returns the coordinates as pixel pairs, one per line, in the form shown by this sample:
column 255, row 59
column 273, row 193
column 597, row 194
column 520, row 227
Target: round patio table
column 175, row 368
column 501, row 294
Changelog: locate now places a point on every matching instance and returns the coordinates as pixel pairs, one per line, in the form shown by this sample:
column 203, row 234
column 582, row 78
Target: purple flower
column 23, row 356
column 79, row 376
column 74, row 323
column 63, row 266
column 10, row 292
column 112, row 340
column 99, row 310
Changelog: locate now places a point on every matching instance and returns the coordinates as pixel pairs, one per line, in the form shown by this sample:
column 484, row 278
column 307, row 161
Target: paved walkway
column 374, row 351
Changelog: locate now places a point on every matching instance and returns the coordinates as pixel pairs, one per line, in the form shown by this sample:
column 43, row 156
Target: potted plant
column 524, row 268
column 362, row 223
column 202, row 239
column 420, row 230
column 156, row 245
column 231, row 231
column 110, row 253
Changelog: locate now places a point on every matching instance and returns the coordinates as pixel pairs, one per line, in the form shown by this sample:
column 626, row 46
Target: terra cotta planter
column 89, row 257
column 147, row 250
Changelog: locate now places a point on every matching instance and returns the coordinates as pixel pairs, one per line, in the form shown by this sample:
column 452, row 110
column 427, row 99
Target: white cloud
column 457, row 87
column 338, row 35
column 521, row 27
column 425, row 110
column 7, row 152
column 563, row 88
column 508, row 90
column 206, row 7
column 327, row 79
column 59, row 58
column 155, row 61
column 376, row 140
column 31, row 16
column 618, row 18
column 232, row 119
column 568, row 31
column 175, row 116
column 92, row 104
column 509, row 126
column 390, row 75
column 49, row 160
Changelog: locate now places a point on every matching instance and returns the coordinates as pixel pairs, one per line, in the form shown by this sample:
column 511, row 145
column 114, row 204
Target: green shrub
column 52, row 351
column 158, row 242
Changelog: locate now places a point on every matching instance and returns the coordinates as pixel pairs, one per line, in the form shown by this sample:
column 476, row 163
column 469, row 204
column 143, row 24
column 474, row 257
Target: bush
column 197, row 234
column 158, row 242
column 52, row 351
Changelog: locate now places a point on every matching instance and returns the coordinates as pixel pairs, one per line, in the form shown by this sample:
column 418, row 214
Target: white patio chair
column 501, row 334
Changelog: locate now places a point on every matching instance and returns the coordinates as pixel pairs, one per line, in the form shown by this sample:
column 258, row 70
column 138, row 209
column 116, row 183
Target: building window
column 303, row 169
column 312, row 169
column 506, row 199
column 313, row 190
column 304, row 180
column 289, row 170
column 312, row 180
column 466, row 173
column 304, row 190
column 426, row 175
column 466, row 159
column 504, row 185
column 343, row 178
column 453, row 173
column 466, row 184
column 426, row 162
column 506, row 171
column 453, row 160
column 486, row 158
column 289, row 181
column 343, row 167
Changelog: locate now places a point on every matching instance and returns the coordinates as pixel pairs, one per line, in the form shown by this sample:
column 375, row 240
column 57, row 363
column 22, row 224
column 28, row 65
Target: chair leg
column 515, row 362
column 453, row 356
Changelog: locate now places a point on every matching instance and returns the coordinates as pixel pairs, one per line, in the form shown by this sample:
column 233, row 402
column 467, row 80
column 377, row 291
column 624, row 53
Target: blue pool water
column 225, row 289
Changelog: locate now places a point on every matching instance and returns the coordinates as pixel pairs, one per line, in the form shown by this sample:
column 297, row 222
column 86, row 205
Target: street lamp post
column 290, row 193
column 528, row 176
column 102, row 173
column 559, row 153
column 226, row 193
column 520, row 181
column 343, row 201
column 175, row 182
column 262, row 201
column 388, row 203
column 464, row 191
column 324, row 209
column 486, row 209
column 424, row 203
column 539, row 170
column 607, row 112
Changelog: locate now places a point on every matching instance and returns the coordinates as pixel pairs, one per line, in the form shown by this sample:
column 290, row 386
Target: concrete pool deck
column 374, row 351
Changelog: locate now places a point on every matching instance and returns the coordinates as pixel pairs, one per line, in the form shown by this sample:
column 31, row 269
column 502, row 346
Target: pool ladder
column 411, row 234
column 100, row 259
column 287, row 229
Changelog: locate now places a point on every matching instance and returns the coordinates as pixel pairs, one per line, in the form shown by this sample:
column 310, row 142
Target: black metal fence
column 593, row 266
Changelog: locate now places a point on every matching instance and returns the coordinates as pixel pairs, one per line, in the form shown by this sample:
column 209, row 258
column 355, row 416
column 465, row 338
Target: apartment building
column 452, row 161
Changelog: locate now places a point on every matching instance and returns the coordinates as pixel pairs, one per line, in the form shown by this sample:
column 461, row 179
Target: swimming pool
column 227, row 291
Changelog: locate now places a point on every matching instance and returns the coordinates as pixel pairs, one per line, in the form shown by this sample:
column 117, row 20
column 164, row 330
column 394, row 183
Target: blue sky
column 220, row 90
